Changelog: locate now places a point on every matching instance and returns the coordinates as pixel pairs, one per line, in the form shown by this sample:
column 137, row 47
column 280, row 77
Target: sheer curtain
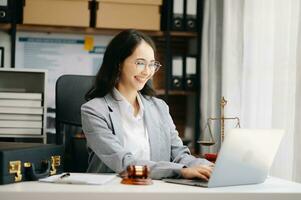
column 260, row 77
column 297, row 131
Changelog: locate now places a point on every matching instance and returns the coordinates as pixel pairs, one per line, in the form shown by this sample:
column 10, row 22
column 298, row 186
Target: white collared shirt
column 135, row 138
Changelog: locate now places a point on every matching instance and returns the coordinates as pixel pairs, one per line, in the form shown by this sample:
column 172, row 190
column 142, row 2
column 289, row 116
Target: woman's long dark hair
column 120, row 47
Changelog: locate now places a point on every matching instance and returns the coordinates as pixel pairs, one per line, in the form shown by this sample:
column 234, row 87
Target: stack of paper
column 21, row 113
column 80, row 178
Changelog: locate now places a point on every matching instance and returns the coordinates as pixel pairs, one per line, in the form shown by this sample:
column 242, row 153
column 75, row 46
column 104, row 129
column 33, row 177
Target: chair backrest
column 70, row 95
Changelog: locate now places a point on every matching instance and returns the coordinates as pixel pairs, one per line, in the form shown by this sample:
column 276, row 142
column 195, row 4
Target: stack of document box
column 57, row 12
column 21, row 113
column 124, row 14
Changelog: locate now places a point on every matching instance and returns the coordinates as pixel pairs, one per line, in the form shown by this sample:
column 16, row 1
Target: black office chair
column 70, row 95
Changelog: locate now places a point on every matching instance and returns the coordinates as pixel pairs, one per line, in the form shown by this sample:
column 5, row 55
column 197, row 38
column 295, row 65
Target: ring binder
column 4, row 11
column 190, row 73
column 11, row 11
column 177, row 73
column 178, row 15
column 191, row 15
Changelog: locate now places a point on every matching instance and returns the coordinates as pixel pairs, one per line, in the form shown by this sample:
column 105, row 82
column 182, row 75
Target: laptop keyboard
column 194, row 182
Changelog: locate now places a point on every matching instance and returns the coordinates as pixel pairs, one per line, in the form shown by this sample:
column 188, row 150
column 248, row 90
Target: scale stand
column 222, row 119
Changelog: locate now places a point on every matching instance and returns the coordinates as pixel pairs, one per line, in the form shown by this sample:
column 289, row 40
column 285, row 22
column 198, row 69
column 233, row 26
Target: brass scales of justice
column 222, row 119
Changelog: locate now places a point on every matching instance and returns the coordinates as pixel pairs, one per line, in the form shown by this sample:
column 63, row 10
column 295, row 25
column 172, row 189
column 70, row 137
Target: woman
column 125, row 124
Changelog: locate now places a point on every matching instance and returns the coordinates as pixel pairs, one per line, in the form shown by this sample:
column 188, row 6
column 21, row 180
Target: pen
column 65, row 175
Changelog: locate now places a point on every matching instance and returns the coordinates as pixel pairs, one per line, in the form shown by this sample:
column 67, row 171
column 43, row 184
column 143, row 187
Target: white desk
column 273, row 188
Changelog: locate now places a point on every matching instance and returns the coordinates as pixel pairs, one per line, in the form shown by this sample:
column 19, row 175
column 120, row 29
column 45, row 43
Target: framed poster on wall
column 59, row 54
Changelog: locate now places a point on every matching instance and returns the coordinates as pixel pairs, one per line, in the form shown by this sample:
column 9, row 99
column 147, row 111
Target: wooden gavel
column 137, row 171
column 137, row 175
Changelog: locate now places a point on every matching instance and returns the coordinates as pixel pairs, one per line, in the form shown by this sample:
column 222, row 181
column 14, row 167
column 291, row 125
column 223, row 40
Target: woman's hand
column 200, row 171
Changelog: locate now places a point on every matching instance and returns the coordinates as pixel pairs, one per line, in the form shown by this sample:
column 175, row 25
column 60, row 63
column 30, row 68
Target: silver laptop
column 245, row 157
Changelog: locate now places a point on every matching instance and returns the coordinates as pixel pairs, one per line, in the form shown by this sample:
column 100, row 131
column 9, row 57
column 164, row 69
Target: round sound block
column 137, row 181
column 211, row 157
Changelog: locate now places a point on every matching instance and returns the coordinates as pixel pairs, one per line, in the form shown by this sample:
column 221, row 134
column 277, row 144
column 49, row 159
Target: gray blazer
column 103, row 129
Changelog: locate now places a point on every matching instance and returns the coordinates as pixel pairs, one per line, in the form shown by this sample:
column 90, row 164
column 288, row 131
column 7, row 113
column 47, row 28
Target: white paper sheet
column 80, row 178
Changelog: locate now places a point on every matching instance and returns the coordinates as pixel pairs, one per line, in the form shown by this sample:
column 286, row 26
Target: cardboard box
column 57, row 12
column 124, row 14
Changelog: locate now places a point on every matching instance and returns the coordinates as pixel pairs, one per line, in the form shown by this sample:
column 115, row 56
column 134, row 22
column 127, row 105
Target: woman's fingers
column 204, row 173
column 201, row 171
column 202, row 176
column 205, row 170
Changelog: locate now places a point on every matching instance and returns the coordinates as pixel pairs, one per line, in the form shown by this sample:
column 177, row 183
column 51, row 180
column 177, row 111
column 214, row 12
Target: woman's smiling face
column 133, row 75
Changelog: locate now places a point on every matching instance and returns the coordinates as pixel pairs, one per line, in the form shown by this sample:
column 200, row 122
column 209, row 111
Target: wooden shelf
column 82, row 30
column 183, row 34
column 88, row 30
column 5, row 27
column 161, row 92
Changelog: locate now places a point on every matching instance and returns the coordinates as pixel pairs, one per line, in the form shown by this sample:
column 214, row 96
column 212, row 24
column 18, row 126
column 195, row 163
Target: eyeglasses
column 153, row 65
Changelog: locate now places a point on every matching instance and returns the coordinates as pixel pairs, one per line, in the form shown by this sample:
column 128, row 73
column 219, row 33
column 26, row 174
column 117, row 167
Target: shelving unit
column 92, row 31
column 167, row 42
column 177, row 43
column 25, row 83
